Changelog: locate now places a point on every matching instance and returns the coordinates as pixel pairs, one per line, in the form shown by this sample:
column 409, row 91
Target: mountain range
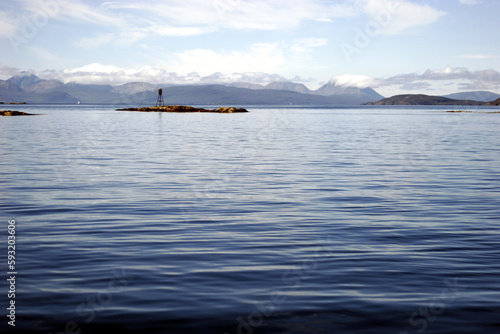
column 481, row 96
column 32, row 89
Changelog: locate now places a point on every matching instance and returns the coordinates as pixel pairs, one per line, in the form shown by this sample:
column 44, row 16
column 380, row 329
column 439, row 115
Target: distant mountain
column 31, row 89
column 246, row 85
column 53, row 97
column 225, row 95
column 290, row 86
column 9, row 88
column 420, row 99
column 133, row 88
column 25, row 82
column 360, row 94
column 482, row 96
column 10, row 92
column 90, row 93
column 45, row 86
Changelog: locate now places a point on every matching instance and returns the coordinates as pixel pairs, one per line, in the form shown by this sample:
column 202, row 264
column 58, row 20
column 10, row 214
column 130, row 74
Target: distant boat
column 78, row 102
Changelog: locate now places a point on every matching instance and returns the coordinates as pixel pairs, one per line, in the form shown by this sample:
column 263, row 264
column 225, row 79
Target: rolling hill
column 422, row 100
column 493, row 103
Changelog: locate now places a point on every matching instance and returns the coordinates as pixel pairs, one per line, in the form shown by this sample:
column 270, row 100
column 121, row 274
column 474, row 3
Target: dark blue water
column 339, row 220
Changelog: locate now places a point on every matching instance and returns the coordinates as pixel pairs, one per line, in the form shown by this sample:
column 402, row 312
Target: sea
column 366, row 219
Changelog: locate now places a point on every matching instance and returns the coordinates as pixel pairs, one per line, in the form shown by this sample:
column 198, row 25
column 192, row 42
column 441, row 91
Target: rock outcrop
column 226, row 110
column 14, row 113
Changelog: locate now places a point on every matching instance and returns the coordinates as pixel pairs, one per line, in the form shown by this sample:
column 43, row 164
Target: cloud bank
column 111, row 75
column 463, row 78
column 458, row 78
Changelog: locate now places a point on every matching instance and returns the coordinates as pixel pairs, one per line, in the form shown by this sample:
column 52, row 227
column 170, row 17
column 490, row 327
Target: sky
column 394, row 46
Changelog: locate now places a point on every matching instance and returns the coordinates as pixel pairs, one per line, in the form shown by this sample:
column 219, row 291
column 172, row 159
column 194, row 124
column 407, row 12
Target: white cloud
column 95, row 68
column 91, row 75
column 236, row 14
column 72, row 10
column 191, row 17
column 33, row 15
column 257, row 58
column 431, row 80
column 127, row 22
column 447, row 73
column 459, row 76
column 260, row 58
column 416, row 86
column 352, row 80
column 108, row 74
column 263, row 57
column 306, row 44
column 396, row 17
column 8, row 72
column 246, row 77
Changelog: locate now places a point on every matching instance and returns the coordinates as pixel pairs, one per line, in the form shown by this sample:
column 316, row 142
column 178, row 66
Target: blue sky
column 430, row 47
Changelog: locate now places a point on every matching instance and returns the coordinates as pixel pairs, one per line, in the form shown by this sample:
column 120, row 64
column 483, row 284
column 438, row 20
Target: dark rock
column 227, row 110
column 14, row 113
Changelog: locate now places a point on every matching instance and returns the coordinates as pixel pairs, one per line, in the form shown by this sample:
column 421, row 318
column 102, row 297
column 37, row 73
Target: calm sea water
column 297, row 220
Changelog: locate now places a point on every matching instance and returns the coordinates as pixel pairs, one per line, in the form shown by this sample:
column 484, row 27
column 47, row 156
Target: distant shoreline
column 428, row 100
